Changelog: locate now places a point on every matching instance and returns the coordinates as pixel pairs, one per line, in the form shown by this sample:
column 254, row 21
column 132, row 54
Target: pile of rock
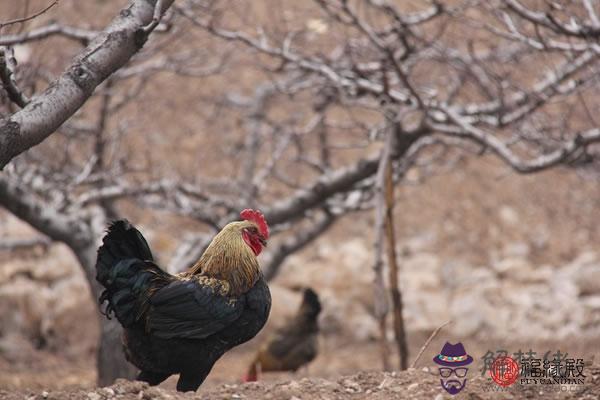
column 511, row 294
column 45, row 301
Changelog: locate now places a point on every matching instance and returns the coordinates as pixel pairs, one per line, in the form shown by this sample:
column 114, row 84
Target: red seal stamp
column 504, row 371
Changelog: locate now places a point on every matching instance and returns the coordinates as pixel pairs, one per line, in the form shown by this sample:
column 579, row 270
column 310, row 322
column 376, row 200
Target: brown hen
column 294, row 344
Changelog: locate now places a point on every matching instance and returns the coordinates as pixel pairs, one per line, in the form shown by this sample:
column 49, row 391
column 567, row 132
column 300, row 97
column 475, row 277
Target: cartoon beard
column 453, row 386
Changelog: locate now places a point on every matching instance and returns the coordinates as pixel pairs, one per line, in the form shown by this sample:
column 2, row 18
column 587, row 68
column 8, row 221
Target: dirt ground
column 463, row 214
column 365, row 385
column 343, row 370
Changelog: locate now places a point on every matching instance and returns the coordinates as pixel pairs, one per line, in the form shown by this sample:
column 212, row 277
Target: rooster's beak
column 262, row 241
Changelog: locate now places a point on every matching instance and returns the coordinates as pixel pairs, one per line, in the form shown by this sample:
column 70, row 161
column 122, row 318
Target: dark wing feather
column 191, row 309
column 282, row 342
column 302, row 353
column 291, row 350
column 285, row 342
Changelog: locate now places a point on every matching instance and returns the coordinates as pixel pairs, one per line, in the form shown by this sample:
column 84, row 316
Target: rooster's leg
column 153, row 378
column 190, row 381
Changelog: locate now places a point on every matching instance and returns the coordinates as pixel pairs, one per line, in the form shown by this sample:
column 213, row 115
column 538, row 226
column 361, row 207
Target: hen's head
column 254, row 229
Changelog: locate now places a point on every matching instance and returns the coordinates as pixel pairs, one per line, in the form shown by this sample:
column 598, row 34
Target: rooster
column 293, row 345
column 182, row 324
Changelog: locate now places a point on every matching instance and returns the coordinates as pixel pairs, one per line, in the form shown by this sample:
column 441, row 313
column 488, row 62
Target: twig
column 433, row 334
column 25, row 19
column 8, row 81
column 156, row 18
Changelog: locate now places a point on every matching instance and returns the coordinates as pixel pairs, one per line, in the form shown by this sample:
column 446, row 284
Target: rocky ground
column 411, row 384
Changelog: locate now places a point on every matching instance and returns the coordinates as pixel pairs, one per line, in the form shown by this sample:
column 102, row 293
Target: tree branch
column 188, row 252
column 338, row 181
column 25, row 19
column 106, row 54
column 82, row 36
column 561, row 154
column 156, row 16
column 295, row 243
column 27, row 207
column 8, row 81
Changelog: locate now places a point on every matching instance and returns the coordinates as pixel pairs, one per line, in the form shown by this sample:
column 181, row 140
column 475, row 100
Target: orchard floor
column 343, row 370
column 411, row 384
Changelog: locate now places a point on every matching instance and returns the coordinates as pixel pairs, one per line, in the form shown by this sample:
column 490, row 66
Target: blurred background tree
column 286, row 108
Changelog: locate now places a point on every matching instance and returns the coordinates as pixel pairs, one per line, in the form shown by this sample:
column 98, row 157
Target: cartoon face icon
column 452, row 379
column 453, row 373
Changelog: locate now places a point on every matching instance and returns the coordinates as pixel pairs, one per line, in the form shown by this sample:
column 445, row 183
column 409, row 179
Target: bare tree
column 304, row 137
column 477, row 77
column 71, row 195
column 25, row 188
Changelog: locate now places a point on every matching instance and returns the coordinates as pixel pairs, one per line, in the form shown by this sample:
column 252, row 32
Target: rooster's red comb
column 258, row 218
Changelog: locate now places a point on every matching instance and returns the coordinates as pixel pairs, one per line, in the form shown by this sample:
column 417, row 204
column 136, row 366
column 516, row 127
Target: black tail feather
column 122, row 241
column 125, row 268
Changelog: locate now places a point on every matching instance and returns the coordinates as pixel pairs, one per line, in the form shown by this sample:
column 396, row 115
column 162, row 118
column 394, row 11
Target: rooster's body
column 182, row 324
column 294, row 344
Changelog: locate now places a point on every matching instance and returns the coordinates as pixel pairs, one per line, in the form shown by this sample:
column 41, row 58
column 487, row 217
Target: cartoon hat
column 453, row 355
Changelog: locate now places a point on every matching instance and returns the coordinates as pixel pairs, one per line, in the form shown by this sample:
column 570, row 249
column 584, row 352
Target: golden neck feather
column 229, row 258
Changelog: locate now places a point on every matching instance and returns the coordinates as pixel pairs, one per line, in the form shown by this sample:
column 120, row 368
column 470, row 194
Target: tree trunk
column 110, row 362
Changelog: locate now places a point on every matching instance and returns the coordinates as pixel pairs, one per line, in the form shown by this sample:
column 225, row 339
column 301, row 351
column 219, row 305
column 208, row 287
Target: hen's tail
column 125, row 268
